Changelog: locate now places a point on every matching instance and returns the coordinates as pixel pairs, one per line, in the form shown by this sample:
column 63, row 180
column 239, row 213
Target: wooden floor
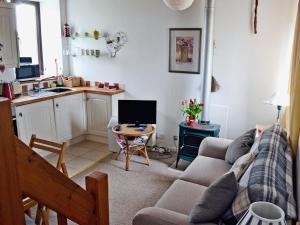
column 82, row 156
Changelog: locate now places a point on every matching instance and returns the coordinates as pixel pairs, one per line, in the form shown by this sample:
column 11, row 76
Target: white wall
column 247, row 66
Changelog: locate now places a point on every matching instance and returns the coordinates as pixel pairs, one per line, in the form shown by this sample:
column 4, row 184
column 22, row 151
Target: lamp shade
column 279, row 99
column 178, row 5
column 263, row 213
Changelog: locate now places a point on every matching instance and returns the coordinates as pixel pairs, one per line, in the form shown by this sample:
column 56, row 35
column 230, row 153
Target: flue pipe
column 208, row 58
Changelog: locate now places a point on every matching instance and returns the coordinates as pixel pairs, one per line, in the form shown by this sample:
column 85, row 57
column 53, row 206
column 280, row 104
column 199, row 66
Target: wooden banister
column 22, row 171
column 11, row 208
column 97, row 185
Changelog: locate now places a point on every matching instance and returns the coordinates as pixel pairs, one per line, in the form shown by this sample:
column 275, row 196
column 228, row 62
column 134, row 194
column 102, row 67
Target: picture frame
column 185, row 50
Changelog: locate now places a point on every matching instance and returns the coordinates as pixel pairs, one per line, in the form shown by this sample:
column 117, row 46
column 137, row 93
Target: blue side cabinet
column 190, row 139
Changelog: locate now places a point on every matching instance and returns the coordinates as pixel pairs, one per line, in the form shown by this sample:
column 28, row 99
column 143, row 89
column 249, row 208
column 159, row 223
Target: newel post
column 97, row 185
column 11, row 208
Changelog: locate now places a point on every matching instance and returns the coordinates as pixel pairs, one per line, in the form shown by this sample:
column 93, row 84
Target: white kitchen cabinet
column 38, row 119
column 98, row 114
column 70, row 114
column 8, row 36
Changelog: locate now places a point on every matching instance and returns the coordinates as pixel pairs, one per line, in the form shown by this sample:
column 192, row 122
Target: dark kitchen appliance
column 27, row 70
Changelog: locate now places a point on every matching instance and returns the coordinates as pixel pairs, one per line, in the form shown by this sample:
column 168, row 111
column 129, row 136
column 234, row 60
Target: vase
column 264, row 213
column 191, row 121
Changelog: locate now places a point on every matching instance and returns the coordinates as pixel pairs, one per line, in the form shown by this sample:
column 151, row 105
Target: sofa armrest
column 214, row 147
column 160, row 216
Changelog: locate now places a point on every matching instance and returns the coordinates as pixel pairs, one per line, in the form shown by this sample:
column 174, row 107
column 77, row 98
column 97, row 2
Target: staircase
column 23, row 172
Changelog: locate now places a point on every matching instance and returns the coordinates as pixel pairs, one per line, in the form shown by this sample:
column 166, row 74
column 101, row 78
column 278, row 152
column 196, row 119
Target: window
column 29, row 30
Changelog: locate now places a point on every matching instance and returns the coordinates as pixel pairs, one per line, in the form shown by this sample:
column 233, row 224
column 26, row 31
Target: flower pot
column 191, row 123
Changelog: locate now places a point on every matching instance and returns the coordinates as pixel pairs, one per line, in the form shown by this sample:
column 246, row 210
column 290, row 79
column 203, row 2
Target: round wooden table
column 129, row 134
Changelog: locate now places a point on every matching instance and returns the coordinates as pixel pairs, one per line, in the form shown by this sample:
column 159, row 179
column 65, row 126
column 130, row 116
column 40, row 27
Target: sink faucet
column 39, row 85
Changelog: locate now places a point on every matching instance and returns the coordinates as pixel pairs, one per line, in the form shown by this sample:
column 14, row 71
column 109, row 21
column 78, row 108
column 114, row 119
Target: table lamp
column 263, row 213
column 280, row 100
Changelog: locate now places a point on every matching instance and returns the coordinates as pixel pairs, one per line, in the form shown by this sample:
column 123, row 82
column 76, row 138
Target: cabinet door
column 8, row 36
column 36, row 118
column 70, row 116
column 98, row 114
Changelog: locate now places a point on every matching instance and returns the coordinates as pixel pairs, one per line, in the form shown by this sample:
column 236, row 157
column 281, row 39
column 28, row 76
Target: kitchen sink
column 49, row 92
column 58, row 90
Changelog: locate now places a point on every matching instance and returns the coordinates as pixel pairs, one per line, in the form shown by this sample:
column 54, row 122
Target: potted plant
column 192, row 109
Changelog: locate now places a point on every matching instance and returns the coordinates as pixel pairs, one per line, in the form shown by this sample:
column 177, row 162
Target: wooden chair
column 42, row 214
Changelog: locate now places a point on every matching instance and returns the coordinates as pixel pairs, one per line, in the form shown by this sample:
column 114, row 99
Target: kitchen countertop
column 25, row 99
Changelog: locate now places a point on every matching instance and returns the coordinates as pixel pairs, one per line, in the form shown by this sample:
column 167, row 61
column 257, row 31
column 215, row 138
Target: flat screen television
column 137, row 112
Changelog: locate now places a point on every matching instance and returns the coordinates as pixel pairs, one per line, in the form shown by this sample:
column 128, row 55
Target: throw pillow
column 240, row 146
column 216, row 199
column 242, row 164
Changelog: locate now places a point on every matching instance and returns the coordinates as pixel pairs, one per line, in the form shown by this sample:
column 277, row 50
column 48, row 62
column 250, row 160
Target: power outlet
column 175, row 138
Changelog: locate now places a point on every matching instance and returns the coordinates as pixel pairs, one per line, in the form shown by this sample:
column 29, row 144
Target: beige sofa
column 175, row 205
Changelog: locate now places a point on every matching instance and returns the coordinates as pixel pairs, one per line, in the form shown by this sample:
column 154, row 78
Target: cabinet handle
column 1, row 59
column 57, row 105
column 20, row 114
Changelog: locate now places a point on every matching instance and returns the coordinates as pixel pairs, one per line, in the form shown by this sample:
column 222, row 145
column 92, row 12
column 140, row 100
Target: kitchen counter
column 25, row 99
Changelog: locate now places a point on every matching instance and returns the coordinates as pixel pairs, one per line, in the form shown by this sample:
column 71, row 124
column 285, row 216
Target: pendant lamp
column 178, row 5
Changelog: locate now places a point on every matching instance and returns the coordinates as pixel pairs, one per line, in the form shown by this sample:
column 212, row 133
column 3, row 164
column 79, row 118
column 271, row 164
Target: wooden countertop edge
column 79, row 90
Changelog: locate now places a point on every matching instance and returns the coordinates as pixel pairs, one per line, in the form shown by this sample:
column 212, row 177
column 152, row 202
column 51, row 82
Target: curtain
column 294, row 109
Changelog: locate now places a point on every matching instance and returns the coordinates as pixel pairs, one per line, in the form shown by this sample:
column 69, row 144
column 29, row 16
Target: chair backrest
column 49, row 146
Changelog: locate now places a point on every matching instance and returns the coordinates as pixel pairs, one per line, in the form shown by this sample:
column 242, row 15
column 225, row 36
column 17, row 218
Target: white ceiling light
column 178, row 5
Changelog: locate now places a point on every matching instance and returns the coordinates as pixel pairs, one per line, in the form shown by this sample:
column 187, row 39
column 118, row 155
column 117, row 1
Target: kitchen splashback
column 8, row 75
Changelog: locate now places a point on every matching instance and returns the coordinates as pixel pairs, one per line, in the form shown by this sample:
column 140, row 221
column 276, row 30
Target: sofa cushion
column 242, row 164
column 240, row 146
column 269, row 178
column 159, row 216
column 181, row 197
column 209, row 208
column 205, row 170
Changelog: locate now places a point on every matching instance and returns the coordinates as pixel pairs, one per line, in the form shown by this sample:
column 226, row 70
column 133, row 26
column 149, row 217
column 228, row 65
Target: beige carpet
column 131, row 191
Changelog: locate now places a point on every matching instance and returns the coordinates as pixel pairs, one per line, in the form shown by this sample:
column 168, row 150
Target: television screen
column 137, row 112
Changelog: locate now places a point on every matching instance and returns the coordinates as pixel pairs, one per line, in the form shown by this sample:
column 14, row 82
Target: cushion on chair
column 181, row 197
column 28, row 220
column 205, row 170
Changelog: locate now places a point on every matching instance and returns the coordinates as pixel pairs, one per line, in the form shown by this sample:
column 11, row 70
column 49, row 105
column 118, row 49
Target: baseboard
column 95, row 138
column 76, row 140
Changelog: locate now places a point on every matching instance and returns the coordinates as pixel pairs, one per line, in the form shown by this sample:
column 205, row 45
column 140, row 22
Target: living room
column 94, row 55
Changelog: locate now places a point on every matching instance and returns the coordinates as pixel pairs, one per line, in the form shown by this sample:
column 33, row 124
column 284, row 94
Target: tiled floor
column 82, row 156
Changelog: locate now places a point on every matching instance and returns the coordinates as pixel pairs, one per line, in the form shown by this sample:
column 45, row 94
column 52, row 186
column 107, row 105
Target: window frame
column 38, row 29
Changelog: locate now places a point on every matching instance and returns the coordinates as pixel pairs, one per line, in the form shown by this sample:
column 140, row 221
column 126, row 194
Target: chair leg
column 118, row 154
column 45, row 216
column 38, row 217
column 147, row 157
column 64, row 169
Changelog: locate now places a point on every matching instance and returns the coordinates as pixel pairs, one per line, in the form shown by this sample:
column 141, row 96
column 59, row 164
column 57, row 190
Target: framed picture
column 185, row 50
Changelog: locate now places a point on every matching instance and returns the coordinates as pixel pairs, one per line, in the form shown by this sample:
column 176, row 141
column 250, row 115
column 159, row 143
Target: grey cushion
column 240, row 146
column 216, row 199
column 159, row 216
column 205, row 170
column 181, row 197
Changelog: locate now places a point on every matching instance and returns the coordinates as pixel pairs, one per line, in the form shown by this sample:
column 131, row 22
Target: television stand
column 137, row 125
